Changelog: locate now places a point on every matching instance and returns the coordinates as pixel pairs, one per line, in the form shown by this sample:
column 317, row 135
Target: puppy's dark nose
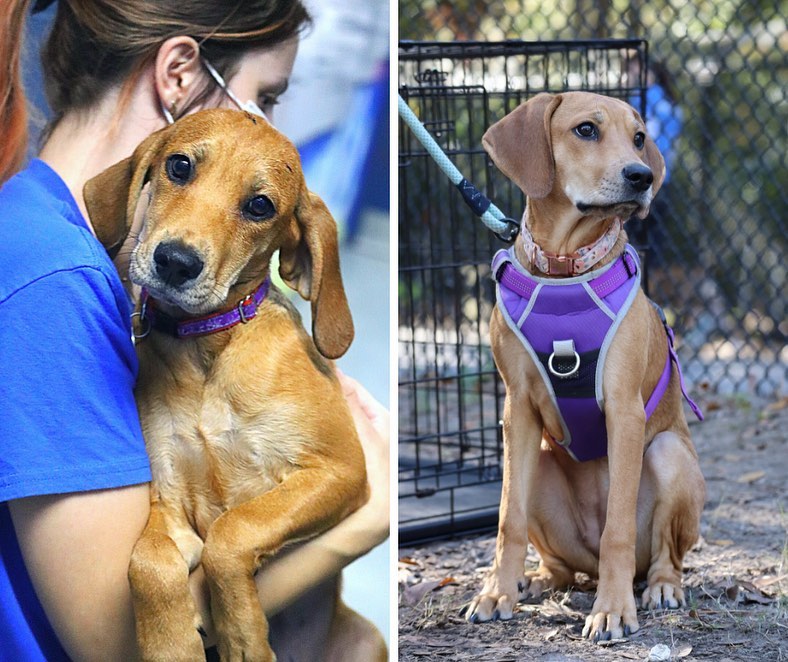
column 638, row 176
column 176, row 263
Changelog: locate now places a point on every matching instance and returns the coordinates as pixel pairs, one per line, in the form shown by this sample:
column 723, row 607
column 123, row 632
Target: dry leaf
column 414, row 594
column 683, row 651
column 551, row 635
column 766, row 580
column 752, row 593
column 721, row 543
column 750, row 476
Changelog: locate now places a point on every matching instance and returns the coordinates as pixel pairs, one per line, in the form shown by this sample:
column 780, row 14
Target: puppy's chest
column 211, row 453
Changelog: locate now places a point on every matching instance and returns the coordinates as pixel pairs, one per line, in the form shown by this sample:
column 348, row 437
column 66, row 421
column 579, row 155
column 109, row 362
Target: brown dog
column 585, row 164
column 251, row 443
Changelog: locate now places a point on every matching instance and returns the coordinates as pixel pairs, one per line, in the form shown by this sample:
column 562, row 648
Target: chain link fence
column 716, row 242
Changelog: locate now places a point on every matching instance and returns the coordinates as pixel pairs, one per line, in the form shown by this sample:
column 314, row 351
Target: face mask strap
column 250, row 106
column 166, row 112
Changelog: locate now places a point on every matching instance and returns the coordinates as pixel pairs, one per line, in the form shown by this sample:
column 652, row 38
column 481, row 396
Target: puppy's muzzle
column 638, row 177
column 176, row 263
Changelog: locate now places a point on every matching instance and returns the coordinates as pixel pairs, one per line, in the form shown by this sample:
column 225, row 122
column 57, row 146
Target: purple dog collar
column 244, row 310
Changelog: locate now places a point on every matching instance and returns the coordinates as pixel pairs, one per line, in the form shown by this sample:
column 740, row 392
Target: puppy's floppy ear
column 309, row 263
column 111, row 196
column 521, row 147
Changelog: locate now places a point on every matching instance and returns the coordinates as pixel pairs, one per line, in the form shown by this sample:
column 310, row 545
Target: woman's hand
column 372, row 424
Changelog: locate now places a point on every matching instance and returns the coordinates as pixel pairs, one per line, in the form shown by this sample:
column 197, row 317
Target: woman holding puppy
column 73, row 470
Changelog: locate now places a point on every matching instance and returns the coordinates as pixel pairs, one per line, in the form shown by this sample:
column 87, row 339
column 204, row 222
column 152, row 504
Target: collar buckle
column 560, row 265
column 241, row 313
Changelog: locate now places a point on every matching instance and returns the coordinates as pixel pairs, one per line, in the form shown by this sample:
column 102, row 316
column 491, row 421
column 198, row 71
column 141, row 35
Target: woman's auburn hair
column 98, row 44
column 13, row 105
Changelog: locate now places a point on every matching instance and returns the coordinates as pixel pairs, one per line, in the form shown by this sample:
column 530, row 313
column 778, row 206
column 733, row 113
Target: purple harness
column 567, row 326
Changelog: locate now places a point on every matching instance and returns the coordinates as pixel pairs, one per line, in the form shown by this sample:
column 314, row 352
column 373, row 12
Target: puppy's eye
column 259, row 208
column 587, row 130
column 640, row 139
column 179, row 168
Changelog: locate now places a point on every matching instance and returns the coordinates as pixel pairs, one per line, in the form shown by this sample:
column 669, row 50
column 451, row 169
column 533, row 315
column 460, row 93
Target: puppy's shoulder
column 281, row 303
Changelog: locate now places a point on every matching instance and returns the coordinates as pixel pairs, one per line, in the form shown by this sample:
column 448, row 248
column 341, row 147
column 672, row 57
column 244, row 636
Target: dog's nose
column 638, row 176
column 176, row 263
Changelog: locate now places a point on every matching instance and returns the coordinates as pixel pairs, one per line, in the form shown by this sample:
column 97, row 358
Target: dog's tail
column 13, row 104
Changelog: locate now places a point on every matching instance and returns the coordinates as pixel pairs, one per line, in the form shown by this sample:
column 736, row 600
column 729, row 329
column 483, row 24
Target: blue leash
column 504, row 228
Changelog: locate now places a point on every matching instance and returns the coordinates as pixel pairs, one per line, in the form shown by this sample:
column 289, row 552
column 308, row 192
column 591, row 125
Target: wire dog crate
column 450, row 395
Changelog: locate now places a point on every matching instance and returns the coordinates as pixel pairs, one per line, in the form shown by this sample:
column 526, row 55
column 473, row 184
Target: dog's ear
column 521, row 147
column 309, row 263
column 111, row 196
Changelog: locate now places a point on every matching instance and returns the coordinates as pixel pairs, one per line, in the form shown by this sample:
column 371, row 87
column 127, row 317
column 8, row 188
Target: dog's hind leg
column 559, row 524
column 672, row 478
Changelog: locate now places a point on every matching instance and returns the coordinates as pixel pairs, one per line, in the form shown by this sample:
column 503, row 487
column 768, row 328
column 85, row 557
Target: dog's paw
column 490, row 607
column 612, row 618
column 663, row 595
column 242, row 636
column 496, row 601
column 239, row 649
column 186, row 646
column 538, row 582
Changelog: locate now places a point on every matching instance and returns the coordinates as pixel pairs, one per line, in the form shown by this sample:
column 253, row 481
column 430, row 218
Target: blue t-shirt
column 68, row 420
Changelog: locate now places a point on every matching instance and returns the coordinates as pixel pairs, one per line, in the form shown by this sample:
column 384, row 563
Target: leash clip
column 509, row 234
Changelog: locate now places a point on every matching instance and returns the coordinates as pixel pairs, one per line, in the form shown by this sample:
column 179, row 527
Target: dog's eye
column 587, row 130
column 640, row 139
column 259, row 208
column 179, row 168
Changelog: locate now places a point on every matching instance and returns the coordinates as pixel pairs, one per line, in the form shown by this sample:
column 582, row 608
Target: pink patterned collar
column 582, row 260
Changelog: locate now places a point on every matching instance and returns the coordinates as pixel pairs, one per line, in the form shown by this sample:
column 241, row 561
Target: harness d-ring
column 564, row 349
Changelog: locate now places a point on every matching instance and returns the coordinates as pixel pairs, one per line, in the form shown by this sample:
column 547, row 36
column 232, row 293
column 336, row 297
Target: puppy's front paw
column 244, row 646
column 495, row 601
column 171, row 645
column 663, row 595
column 612, row 617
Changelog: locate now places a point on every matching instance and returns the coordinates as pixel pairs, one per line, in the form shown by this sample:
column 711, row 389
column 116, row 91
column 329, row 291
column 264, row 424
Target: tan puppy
column 252, row 445
column 584, row 161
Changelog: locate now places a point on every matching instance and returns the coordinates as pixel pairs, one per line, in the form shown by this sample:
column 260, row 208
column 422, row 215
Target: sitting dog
column 252, row 445
column 599, row 473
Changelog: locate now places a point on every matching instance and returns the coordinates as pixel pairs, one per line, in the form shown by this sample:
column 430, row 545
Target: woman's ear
column 309, row 263
column 177, row 73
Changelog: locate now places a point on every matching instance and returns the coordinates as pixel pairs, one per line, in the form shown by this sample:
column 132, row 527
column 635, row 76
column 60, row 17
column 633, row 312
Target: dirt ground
column 736, row 578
